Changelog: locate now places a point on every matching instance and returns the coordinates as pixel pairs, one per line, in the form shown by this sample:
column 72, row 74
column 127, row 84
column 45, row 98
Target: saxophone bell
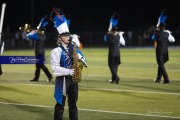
column 82, row 60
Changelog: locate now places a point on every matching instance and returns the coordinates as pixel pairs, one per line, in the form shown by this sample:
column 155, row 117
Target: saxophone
column 77, row 66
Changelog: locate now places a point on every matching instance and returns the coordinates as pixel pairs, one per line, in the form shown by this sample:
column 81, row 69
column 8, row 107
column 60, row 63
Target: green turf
column 137, row 97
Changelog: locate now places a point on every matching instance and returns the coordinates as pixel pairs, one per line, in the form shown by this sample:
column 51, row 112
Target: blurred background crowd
column 90, row 20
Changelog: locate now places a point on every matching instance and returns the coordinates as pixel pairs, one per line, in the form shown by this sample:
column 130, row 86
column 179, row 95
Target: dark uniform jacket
column 114, row 50
column 39, row 49
column 39, row 45
column 162, row 46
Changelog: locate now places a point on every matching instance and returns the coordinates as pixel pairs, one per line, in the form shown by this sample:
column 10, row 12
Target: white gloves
column 71, row 72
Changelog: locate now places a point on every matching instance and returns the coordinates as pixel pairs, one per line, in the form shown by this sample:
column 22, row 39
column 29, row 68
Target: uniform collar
column 65, row 45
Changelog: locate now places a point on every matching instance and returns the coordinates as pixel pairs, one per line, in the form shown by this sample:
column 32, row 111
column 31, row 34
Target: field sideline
column 137, row 97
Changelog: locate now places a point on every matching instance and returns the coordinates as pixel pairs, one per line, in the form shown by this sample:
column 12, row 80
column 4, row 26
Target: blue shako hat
column 113, row 21
column 60, row 21
column 162, row 18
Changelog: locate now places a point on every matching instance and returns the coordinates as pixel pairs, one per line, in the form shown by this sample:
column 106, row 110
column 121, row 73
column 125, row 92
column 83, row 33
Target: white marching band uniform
column 55, row 62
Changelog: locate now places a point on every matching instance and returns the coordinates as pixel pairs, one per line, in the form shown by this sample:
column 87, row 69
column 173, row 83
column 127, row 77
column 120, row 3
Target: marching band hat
column 162, row 25
column 60, row 21
column 65, row 34
column 162, row 18
column 113, row 20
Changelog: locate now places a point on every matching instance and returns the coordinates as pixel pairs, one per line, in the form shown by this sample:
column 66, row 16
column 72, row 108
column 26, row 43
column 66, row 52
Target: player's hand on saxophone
column 71, row 72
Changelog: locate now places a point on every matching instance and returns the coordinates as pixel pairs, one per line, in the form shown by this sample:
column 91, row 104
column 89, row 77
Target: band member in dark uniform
column 114, row 38
column 39, row 37
column 62, row 60
column 161, row 38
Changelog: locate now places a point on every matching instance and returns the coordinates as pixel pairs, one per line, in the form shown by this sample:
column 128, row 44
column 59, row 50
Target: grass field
column 137, row 97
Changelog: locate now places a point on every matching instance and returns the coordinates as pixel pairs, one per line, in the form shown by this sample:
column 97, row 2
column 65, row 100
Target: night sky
column 92, row 15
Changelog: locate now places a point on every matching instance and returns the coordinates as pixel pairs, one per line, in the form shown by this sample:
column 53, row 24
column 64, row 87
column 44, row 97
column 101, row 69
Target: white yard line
column 91, row 110
column 116, row 90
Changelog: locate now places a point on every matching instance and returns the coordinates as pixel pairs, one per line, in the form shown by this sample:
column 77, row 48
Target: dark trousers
column 162, row 72
column 38, row 70
column 161, row 60
column 72, row 94
column 114, row 74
